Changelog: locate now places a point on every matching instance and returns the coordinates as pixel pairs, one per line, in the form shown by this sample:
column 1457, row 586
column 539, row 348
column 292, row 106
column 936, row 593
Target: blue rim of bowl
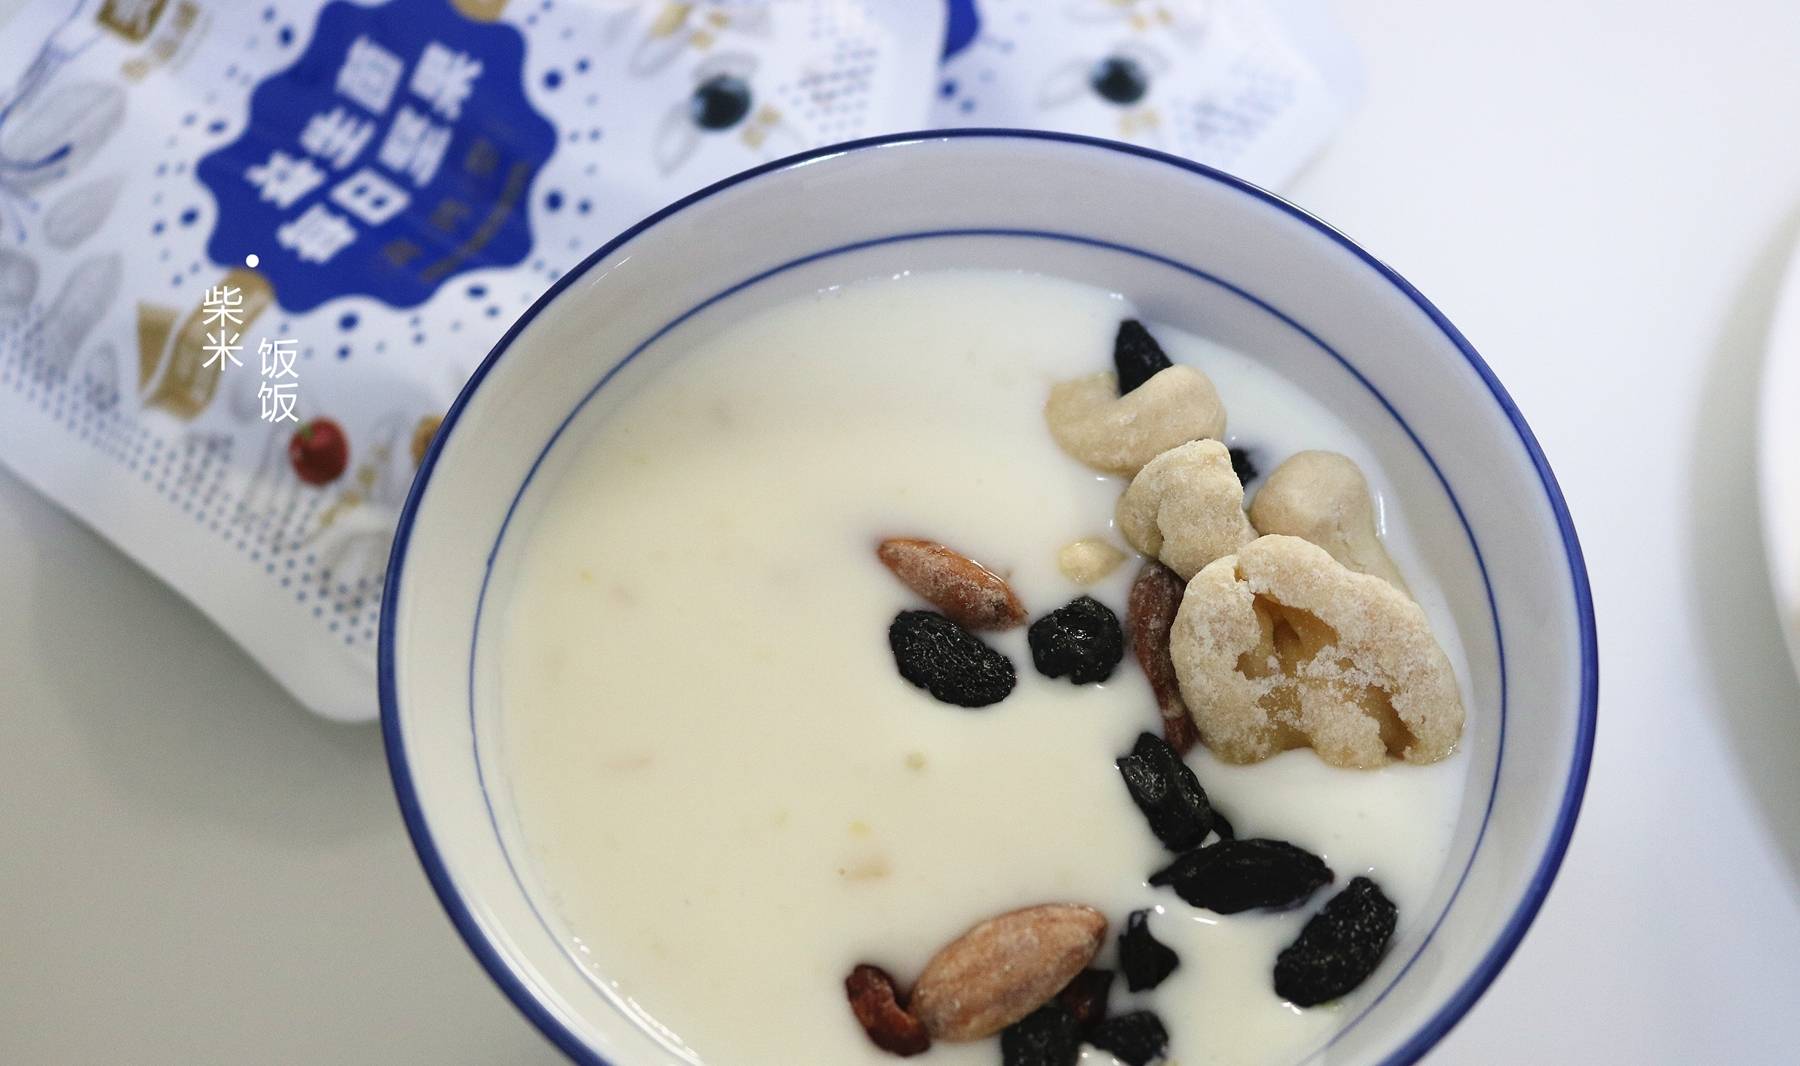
column 1453, row 1009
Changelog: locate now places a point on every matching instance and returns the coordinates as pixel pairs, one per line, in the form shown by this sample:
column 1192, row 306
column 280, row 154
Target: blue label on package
column 396, row 153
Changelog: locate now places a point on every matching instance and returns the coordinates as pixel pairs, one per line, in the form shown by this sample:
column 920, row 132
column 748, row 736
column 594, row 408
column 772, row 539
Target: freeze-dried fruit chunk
column 1136, row 355
column 1168, row 793
column 1150, row 611
column 1186, row 508
column 1005, row 968
column 948, row 661
column 1145, row 960
column 1280, row 646
column 1085, row 996
column 1340, row 946
column 1117, row 434
column 1138, row 1038
column 1322, row 497
column 875, row 1000
column 1243, row 465
column 1236, row 875
column 967, row 593
column 1049, row 1036
column 1080, row 640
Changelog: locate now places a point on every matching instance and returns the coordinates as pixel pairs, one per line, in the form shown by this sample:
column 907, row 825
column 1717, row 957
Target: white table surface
column 1601, row 194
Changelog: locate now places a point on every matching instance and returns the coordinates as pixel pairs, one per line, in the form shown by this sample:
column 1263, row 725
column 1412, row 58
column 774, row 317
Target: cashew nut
column 1186, row 508
column 1280, row 646
column 1322, row 497
column 1119, row 434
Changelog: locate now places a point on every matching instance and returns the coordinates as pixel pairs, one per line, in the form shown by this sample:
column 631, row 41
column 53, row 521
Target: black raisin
column 1236, row 875
column 1081, row 639
column 1168, row 793
column 1137, row 1038
column 1242, row 465
column 1136, row 355
column 1222, row 826
column 1085, row 996
column 1145, row 959
column 1339, row 947
column 948, row 661
column 1048, row 1036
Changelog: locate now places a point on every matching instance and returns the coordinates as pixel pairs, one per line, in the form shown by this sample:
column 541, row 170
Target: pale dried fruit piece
column 968, row 593
column 1119, row 434
column 875, row 1000
column 1323, row 497
column 1087, row 560
column 1281, row 646
column 1150, row 611
column 1186, row 507
column 1005, row 968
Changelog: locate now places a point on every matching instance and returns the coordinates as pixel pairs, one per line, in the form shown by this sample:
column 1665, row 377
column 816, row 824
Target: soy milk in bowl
column 732, row 797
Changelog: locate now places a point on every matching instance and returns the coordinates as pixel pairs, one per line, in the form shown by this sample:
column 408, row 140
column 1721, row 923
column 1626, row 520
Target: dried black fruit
column 1048, row 1036
column 948, row 661
column 1137, row 1038
column 1222, row 826
column 1168, row 793
column 1085, row 996
column 1081, row 639
column 1145, row 959
column 1236, row 875
column 1339, row 947
column 1136, row 355
column 1242, row 465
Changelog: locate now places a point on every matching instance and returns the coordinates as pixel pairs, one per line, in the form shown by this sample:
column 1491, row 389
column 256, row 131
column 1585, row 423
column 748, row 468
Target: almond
column 968, row 593
column 1005, row 968
column 1149, row 612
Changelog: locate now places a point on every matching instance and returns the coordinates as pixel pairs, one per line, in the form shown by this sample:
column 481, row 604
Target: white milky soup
column 727, row 794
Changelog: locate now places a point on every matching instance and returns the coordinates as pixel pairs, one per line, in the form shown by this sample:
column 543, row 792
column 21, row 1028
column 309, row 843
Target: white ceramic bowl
column 1192, row 247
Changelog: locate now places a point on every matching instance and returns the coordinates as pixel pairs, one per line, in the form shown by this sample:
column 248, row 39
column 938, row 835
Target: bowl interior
column 1190, row 248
